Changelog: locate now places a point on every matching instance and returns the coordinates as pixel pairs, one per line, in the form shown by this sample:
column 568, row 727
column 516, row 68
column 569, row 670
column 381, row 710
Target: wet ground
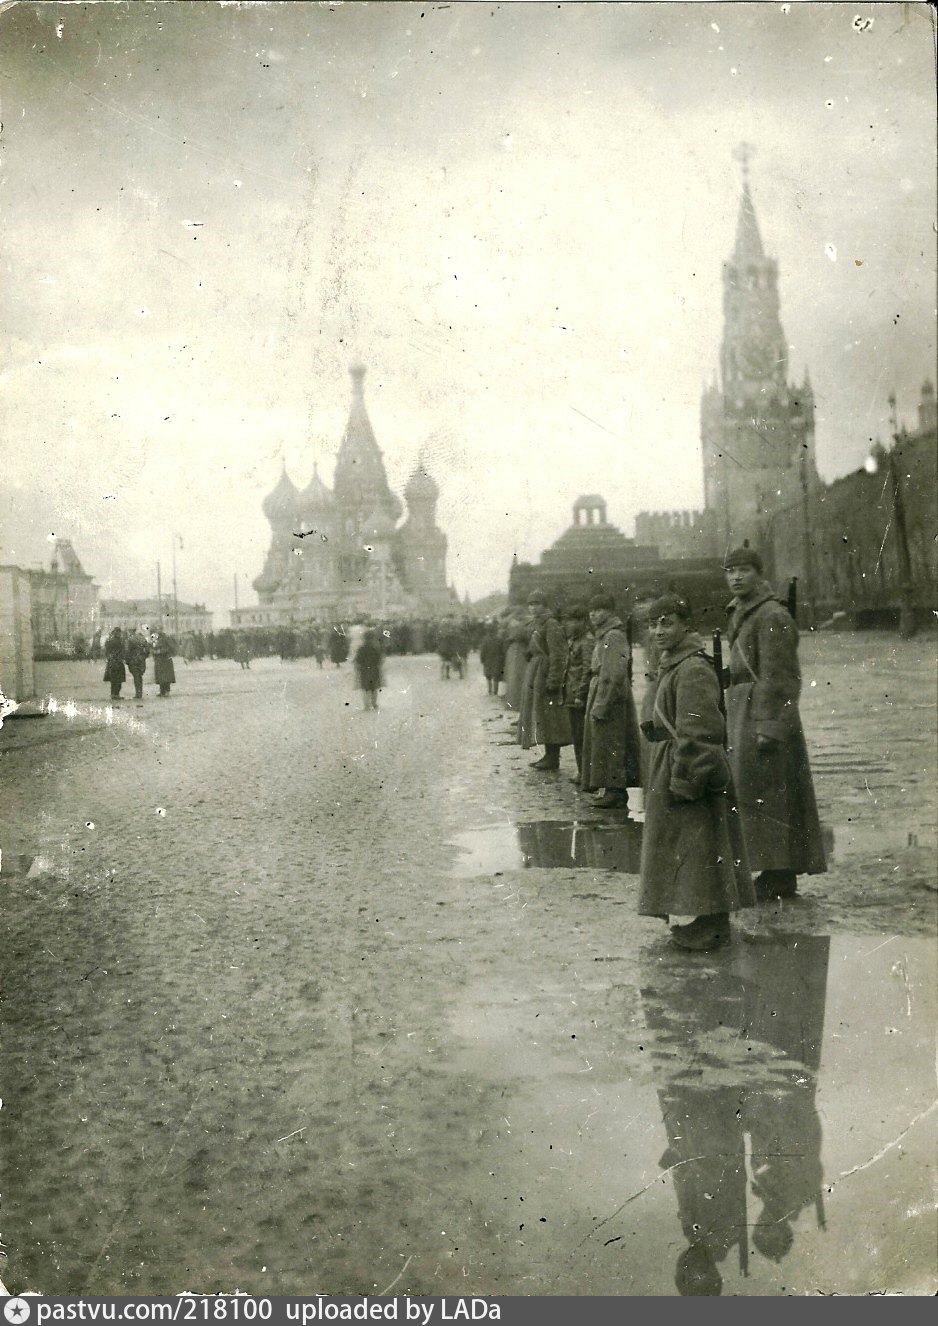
column 301, row 998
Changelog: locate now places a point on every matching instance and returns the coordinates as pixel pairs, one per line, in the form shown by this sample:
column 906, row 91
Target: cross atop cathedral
column 744, row 153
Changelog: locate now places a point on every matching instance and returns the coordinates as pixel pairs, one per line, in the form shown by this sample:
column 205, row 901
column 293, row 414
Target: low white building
column 176, row 617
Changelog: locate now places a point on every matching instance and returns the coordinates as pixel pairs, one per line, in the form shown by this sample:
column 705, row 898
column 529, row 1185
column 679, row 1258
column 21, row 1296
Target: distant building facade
column 175, row 617
column 593, row 555
column 340, row 553
column 64, row 602
column 677, row 534
column 872, row 534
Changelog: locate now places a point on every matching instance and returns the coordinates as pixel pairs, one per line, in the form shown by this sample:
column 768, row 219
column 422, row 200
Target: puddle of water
column 872, row 840
column 742, row 1100
column 584, row 844
column 564, row 844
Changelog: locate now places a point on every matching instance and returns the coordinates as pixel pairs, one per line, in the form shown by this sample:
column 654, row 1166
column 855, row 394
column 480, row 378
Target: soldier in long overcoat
column 164, row 674
column 544, row 720
column 492, row 657
column 766, row 740
column 693, row 855
column 517, row 634
column 610, row 758
column 114, row 670
column 576, row 681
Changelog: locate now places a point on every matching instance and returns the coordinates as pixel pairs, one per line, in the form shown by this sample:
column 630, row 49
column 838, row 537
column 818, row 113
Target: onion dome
column 420, row 489
column 279, row 506
column 315, row 496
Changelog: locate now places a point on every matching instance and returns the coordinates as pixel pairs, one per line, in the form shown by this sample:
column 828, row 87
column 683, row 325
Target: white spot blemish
column 831, row 251
column 59, row 29
column 161, row 811
column 89, row 824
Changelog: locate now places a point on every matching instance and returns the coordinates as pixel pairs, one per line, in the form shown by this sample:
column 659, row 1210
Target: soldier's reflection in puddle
column 573, row 843
column 736, row 1049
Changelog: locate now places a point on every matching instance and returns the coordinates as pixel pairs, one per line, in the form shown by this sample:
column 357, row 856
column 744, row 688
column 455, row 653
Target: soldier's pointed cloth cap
column 742, row 557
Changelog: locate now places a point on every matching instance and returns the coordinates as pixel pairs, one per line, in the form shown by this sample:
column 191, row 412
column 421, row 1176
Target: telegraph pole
column 807, row 543
column 159, row 595
column 175, row 599
column 906, row 605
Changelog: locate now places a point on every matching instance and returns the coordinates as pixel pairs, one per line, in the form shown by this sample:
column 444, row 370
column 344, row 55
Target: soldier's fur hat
column 669, row 605
column 744, row 556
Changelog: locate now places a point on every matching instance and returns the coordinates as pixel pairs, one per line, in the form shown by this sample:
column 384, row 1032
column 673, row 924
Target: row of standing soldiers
column 727, row 781
column 570, row 684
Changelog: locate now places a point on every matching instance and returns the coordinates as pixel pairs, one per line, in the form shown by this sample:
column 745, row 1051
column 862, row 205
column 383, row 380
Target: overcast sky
column 514, row 214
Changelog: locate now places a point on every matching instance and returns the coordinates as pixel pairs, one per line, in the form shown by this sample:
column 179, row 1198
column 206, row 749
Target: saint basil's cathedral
column 340, row 553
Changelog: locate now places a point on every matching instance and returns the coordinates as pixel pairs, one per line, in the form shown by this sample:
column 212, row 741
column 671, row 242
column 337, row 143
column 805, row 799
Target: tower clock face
column 755, row 358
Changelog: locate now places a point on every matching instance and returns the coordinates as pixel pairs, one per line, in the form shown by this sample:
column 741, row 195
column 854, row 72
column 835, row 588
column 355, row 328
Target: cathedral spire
column 748, row 240
column 361, row 483
column 754, row 355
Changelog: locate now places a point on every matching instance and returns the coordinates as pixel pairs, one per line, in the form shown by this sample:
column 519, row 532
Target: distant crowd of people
column 125, row 649
column 719, row 752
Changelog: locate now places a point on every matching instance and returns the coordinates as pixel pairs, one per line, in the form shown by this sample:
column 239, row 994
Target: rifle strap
column 745, row 661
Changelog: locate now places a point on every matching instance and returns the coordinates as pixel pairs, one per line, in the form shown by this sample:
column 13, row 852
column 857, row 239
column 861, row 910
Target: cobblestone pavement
column 285, row 1010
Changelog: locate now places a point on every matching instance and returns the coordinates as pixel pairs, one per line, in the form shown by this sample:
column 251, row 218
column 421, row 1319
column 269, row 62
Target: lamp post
column 807, row 544
column 907, row 623
column 176, row 538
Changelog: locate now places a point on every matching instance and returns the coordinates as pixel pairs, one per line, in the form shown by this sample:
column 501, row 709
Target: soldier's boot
column 549, row 761
column 703, row 933
column 773, row 884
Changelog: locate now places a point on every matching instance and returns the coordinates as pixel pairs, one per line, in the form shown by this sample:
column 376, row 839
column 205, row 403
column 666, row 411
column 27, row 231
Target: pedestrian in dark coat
column 610, row 758
column 114, row 670
column 136, row 652
column 338, row 645
column 544, row 720
column 693, row 856
column 164, row 674
column 492, row 657
column 576, row 682
column 766, row 741
column 369, row 672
